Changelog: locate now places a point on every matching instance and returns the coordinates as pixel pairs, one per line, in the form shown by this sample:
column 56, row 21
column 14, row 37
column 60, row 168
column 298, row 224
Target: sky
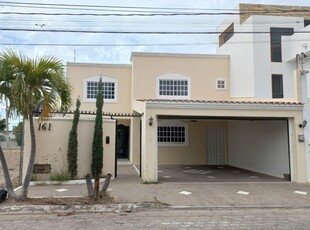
column 42, row 36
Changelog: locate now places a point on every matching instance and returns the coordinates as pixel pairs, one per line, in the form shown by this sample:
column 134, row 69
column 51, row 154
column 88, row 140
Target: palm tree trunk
column 31, row 159
column 7, row 178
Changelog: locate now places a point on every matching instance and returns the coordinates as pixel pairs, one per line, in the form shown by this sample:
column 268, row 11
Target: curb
column 47, row 209
column 125, row 208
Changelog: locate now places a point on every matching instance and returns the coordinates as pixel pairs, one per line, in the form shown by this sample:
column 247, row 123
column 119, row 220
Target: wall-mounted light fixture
column 151, row 121
column 303, row 124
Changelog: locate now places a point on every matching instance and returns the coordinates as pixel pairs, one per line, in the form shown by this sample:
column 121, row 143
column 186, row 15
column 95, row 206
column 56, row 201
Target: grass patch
column 60, row 176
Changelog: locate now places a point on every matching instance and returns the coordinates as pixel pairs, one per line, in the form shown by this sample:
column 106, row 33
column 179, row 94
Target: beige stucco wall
column 196, row 151
column 52, row 145
column 78, row 72
column 203, row 70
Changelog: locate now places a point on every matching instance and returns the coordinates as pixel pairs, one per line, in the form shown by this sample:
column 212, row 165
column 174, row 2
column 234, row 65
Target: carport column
column 306, row 118
column 297, row 152
column 135, row 140
column 149, row 147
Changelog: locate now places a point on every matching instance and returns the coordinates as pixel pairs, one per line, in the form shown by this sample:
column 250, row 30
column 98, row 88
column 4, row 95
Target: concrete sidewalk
column 128, row 188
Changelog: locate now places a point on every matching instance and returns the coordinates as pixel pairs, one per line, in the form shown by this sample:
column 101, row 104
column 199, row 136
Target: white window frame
column 104, row 79
column 173, row 123
column 174, row 77
column 217, row 84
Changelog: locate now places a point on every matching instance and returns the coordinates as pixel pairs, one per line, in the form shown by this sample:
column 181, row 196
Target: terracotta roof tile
column 222, row 101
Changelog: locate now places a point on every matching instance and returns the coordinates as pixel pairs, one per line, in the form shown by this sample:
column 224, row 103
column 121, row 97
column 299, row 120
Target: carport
column 258, row 137
column 225, row 149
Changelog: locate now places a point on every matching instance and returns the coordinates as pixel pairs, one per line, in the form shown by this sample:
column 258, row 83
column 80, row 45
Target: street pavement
column 164, row 219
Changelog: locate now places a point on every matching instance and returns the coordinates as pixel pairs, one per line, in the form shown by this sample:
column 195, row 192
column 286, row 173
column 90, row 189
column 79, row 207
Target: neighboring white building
column 269, row 48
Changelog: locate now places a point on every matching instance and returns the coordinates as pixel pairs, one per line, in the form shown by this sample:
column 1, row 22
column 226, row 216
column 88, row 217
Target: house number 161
column 44, row 126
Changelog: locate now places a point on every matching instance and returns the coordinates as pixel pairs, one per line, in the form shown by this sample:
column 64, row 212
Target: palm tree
column 30, row 84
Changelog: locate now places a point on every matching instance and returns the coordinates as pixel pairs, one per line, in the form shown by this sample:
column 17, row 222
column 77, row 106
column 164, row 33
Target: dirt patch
column 60, row 201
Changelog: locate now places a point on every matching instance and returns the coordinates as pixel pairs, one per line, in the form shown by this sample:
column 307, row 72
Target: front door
column 122, row 142
column 216, row 146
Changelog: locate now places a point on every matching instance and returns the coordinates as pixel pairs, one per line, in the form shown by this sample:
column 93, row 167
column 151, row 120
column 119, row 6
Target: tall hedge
column 97, row 147
column 73, row 142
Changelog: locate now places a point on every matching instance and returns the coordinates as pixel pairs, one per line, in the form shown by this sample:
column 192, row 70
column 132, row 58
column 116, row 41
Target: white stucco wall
column 251, row 65
column 265, row 150
column 240, row 49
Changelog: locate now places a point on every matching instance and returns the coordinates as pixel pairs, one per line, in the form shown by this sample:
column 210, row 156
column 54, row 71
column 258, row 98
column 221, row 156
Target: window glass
column 277, row 86
column 173, row 88
column 108, row 90
column 275, row 42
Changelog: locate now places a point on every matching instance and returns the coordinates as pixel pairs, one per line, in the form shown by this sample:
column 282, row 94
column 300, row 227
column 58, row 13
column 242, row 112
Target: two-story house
column 183, row 109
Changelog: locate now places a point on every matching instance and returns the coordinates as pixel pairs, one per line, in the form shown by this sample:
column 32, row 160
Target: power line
column 139, row 32
column 146, row 14
column 138, row 7
column 110, row 6
column 140, row 44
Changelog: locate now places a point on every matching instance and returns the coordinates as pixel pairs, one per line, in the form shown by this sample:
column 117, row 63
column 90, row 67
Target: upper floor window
column 173, row 86
column 109, row 89
column 226, row 35
column 220, row 84
column 277, row 85
column 275, row 42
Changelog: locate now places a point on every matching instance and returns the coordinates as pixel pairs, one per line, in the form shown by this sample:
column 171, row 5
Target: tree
column 18, row 133
column 29, row 83
column 2, row 124
column 97, row 147
column 73, row 142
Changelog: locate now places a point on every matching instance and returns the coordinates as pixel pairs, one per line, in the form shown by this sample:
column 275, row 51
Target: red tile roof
column 222, row 102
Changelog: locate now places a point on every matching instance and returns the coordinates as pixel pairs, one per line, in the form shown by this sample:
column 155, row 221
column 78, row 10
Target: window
column 221, row 84
column 109, row 89
column 226, row 35
column 173, row 86
column 275, row 42
column 306, row 22
column 277, row 86
column 172, row 133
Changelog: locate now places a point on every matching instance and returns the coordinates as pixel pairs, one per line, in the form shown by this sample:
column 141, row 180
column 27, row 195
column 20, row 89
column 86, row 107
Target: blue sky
column 114, row 47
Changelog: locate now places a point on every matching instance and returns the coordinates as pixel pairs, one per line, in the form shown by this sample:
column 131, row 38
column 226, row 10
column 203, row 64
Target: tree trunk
column 97, row 181
column 90, row 188
column 105, row 185
column 7, row 178
column 31, row 159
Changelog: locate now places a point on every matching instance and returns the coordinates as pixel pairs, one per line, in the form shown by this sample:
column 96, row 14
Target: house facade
column 237, row 109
